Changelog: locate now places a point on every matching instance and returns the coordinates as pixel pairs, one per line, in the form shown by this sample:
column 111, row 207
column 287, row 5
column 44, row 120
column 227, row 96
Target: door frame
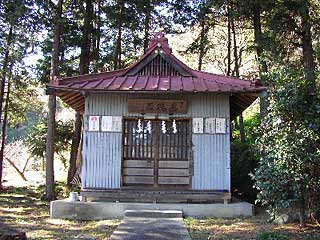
column 156, row 186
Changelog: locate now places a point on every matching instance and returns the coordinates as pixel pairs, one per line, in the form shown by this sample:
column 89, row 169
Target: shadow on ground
column 21, row 209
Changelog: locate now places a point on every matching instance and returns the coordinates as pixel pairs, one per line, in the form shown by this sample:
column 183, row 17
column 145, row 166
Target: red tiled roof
column 202, row 82
column 129, row 79
column 122, row 80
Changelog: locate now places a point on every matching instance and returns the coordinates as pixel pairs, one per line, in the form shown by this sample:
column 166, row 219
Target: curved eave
column 74, row 99
column 239, row 102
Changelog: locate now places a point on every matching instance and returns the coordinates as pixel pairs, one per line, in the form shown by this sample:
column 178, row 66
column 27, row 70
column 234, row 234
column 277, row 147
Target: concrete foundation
column 105, row 210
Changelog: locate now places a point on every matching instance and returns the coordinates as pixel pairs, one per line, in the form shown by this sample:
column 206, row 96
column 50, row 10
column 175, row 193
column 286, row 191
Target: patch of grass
column 271, row 236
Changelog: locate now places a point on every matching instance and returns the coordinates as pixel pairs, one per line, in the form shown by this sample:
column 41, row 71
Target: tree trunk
column 309, row 74
column 308, row 59
column 50, row 188
column 259, row 50
column 5, row 120
column 202, row 44
column 237, row 72
column 84, row 69
column 97, row 38
column 118, row 50
column 21, row 173
column 85, row 46
column 241, row 128
column 235, row 50
column 4, row 68
column 117, row 64
column 74, row 147
column 236, row 124
column 2, row 90
column 229, row 42
column 147, row 26
column 302, row 207
column 258, row 38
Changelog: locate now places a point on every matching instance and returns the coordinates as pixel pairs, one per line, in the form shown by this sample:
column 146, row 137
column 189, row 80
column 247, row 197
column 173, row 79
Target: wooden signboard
column 157, row 106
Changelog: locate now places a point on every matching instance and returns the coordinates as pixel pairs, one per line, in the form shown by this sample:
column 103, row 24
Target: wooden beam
column 159, row 195
column 78, row 103
column 49, row 91
column 69, row 96
column 73, row 100
column 177, row 67
column 142, row 64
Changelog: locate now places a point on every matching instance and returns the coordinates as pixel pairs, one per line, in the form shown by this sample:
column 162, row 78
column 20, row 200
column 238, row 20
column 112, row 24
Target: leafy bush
column 271, row 236
column 288, row 174
column 62, row 191
column 37, row 137
column 243, row 162
column 251, row 127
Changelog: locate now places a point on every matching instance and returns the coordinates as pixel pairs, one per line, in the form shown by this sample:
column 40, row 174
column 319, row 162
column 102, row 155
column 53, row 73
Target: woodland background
column 275, row 143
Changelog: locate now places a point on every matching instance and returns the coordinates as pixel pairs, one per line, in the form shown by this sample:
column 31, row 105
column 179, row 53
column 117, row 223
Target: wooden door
column 156, row 153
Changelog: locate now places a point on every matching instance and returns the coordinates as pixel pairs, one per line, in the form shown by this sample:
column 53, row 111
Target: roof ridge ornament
column 160, row 40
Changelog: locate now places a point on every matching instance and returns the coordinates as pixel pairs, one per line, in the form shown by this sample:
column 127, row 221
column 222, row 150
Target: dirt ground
column 21, row 209
column 249, row 228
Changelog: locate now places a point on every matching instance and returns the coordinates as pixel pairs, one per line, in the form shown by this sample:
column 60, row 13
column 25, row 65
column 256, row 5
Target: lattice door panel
column 156, row 153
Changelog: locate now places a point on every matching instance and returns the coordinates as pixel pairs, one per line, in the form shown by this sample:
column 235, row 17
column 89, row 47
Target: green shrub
column 61, row 190
column 243, row 162
column 37, row 137
column 287, row 176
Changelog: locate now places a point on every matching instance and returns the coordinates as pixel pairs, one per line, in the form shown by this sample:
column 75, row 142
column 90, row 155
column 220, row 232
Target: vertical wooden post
column 156, row 146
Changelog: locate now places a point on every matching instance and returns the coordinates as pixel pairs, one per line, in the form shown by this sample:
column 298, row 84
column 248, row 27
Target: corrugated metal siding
column 102, row 151
column 211, row 153
column 101, row 165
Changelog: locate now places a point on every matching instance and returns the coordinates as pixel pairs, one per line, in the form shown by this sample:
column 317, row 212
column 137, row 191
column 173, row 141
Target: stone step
column 154, row 213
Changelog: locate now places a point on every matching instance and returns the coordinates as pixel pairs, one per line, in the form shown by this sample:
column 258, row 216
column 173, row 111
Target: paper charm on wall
column 221, row 125
column 210, row 125
column 111, row 124
column 94, row 123
column 197, row 125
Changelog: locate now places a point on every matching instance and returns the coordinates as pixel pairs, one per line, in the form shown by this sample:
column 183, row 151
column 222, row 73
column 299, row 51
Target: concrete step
column 154, row 213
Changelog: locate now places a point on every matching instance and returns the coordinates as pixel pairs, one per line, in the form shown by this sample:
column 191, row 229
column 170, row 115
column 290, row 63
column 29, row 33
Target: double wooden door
column 156, row 153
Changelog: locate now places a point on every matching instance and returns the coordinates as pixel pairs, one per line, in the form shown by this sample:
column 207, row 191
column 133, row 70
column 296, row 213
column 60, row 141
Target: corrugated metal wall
column 102, row 151
column 211, row 152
